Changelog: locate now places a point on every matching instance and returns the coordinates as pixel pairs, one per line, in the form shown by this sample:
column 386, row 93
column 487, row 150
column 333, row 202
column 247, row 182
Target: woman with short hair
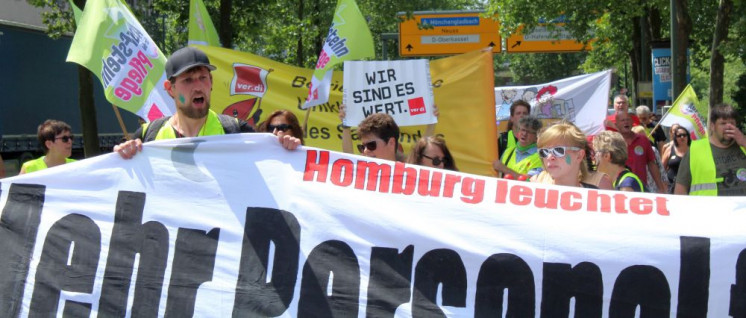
column 610, row 158
column 56, row 140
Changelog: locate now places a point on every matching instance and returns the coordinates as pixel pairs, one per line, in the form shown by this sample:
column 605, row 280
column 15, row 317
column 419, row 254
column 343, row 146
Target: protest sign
column 235, row 225
column 581, row 100
column 689, row 113
column 251, row 87
column 401, row 89
column 112, row 44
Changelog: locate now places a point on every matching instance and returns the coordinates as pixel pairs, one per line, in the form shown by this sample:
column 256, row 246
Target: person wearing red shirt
column 640, row 154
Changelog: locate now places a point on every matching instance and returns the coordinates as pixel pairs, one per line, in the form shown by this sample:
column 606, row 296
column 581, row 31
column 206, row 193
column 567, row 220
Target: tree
column 59, row 20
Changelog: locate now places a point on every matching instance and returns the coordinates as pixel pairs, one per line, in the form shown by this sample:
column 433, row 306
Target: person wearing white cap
column 190, row 85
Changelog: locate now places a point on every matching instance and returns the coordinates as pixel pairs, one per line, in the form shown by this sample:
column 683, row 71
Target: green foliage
column 58, row 18
column 541, row 68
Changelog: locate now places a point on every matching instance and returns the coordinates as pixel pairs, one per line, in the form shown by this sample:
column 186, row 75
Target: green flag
column 112, row 44
column 76, row 12
column 201, row 29
column 689, row 113
column 348, row 39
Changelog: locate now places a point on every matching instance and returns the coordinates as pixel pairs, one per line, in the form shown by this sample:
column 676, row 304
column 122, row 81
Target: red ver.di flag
column 112, row 44
column 399, row 88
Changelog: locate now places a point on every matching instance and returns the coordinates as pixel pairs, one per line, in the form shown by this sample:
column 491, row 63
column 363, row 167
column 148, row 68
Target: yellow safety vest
column 511, row 140
column 702, row 167
column 524, row 166
column 211, row 127
column 626, row 173
column 38, row 164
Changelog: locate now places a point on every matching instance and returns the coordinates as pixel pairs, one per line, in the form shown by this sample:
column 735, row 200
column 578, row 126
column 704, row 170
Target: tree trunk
column 88, row 113
column 679, row 46
column 654, row 18
column 717, row 62
column 634, row 55
column 226, row 28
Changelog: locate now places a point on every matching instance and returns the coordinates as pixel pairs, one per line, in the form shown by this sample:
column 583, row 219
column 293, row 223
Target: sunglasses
column 64, row 138
column 280, row 127
column 557, row 152
column 371, row 145
column 436, row 160
column 681, row 135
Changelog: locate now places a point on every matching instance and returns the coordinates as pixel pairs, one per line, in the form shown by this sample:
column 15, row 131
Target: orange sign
column 543, row 40
column 447, row 33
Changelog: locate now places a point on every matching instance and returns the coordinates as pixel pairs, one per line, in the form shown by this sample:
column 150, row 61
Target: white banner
column 235, row 225
column 582, row 100
column 399, row 88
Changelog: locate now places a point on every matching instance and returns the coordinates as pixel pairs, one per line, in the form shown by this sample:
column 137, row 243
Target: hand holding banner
column 399, row 88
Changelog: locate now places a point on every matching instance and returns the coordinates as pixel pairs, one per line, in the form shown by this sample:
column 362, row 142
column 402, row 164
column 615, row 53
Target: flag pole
column 305, row 120
column 121, row 122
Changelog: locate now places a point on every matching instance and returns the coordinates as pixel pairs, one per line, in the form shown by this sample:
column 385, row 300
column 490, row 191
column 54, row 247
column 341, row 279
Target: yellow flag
column 252, row 87
column 201, row 29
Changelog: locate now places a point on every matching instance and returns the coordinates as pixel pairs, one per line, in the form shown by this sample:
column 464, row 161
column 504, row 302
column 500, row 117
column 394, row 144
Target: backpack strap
column 229, row 123
column 152, row 128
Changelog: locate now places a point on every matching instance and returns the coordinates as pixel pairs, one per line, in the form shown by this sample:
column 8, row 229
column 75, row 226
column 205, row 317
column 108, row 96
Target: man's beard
column 726, row 141
column 193, row 113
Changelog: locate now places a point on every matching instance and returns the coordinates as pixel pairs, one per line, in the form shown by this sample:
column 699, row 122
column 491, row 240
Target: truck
column 38, row 84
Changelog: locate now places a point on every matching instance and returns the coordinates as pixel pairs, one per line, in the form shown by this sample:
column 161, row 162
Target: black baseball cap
column 184, row 59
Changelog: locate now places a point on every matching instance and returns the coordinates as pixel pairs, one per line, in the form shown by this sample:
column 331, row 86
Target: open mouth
column 198, row 100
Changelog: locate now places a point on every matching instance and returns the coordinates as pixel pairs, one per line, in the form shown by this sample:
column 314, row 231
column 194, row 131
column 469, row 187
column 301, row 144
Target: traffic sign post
column 543, row 40
column 447, row 32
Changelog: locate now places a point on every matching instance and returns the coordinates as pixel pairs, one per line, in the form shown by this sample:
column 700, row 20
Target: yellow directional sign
column 440, row 33
column 542, row 40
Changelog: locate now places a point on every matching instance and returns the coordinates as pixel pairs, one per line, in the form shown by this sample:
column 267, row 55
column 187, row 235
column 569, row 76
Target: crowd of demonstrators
column 626, row 158
column 522, row 159
column 190, row 85
column 715, row 165
column 508, row 139
column 56, row 139
column 672, row 155
column 282, row 122
column 611, row 157
column 432, row 152
column 562, row 152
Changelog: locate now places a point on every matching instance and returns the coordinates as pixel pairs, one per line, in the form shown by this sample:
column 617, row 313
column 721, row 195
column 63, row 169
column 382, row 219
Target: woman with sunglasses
column 562, row 152
column 56, row 140
column 283, row 122
column 672, row 156
column 432, row 152
column 610, row 158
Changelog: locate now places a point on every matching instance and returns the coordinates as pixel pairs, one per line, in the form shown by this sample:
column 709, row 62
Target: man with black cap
column 190, row 84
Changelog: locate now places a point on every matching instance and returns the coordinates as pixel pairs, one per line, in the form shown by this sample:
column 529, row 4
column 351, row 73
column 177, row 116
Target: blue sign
column 662, row 76
column 451, row 22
